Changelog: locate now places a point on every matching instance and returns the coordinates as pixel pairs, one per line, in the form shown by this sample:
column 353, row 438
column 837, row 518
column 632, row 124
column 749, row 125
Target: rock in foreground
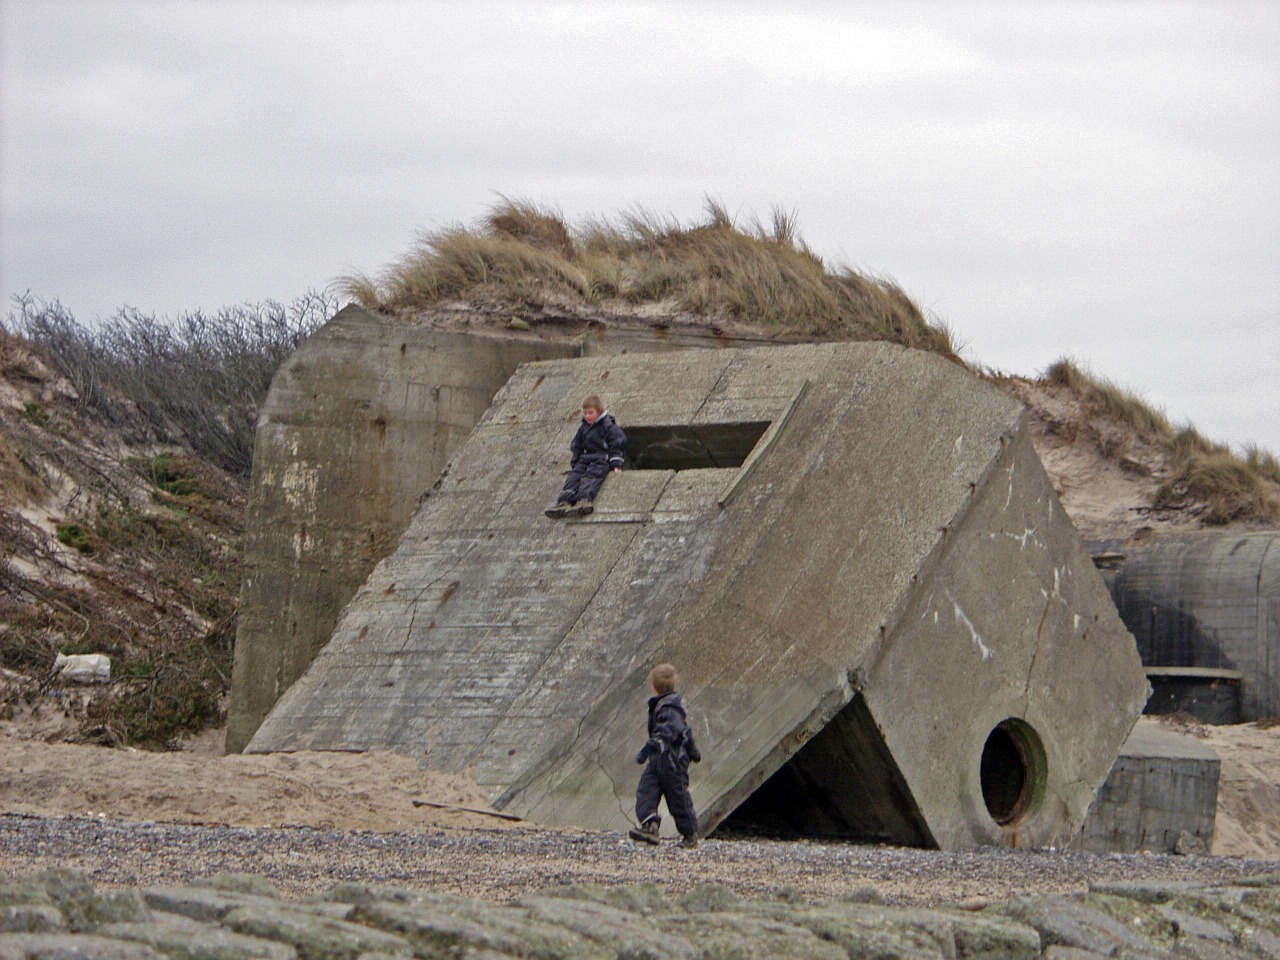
column 60, row 914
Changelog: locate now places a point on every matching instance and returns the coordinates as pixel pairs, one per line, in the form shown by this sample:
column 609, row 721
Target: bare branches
column 195, row 380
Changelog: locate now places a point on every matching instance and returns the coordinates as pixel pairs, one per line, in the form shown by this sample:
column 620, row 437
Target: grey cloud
column 1070, row 177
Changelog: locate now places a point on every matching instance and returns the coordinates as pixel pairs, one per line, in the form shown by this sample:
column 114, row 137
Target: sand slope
column 375, row 791
column 1248, row 821
column 372, row 791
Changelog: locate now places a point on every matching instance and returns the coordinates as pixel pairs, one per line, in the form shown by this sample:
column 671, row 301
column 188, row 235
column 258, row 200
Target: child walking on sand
column 668, row 751
column 597, row 448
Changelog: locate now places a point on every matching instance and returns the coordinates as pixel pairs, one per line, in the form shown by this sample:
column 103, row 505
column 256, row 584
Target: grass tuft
column 1103, row 397
column 1262, row 462
column 765, row 274
column 1229, row 486
column 525, row 222
column 361, row 288
column 453, row 263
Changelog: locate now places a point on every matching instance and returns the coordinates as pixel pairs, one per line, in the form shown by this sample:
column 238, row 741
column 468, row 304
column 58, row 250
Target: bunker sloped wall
column 1002, row 586
column 477, row 640
column 890, row 545
column 1011, row 623
column 359, row 422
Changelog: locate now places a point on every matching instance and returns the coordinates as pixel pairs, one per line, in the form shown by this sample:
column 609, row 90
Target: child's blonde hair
column 663, row 679
column 594, row 403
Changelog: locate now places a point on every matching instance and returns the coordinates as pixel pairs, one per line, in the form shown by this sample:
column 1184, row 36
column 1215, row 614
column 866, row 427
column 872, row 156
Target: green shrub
column 75, row 536
column 35, row 413
column 166, row 472
column 152, row 704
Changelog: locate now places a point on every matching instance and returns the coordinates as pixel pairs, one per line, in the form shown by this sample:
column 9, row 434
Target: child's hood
column 672, row 700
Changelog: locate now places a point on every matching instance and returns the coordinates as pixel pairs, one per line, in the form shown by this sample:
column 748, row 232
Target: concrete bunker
column 1204, row 609
column 852, row 553
column 359, row 422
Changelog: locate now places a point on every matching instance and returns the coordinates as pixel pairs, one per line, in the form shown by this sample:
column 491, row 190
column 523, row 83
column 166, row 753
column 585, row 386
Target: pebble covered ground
column 504, row 865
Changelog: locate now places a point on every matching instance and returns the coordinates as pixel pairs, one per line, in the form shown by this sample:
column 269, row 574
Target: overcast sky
column 1100, row 180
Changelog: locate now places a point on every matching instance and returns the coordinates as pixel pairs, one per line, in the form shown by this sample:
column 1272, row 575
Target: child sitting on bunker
column 597, row 448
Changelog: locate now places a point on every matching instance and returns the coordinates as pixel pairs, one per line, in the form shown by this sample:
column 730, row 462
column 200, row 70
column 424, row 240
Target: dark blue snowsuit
column 596, row 449
column 668, row 751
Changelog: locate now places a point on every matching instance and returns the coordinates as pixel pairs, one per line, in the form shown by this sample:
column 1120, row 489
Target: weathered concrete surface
column 908, row 575
column 588, row 922
column 358, row 423
column 1161, row 796
column 1208, row 600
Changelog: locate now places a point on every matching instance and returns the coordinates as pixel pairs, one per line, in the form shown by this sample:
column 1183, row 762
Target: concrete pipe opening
column 1013, row 771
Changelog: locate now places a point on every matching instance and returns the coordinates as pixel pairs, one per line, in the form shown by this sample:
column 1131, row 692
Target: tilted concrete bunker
column 360, row 420
column 852, row 553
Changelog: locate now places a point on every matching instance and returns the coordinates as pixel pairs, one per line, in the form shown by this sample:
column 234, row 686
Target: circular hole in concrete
column 1013, row 771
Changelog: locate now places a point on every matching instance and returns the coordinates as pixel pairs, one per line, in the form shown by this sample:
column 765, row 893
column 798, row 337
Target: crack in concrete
column 724, row 372
column 1035, row 653
column 430, row 585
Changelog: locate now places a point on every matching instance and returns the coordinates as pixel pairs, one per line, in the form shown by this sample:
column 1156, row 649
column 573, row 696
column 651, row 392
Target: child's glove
column 650, row 747
column 695, row 755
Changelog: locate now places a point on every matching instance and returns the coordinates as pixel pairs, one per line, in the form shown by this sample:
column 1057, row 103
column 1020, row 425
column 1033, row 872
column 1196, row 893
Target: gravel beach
column 503, row 865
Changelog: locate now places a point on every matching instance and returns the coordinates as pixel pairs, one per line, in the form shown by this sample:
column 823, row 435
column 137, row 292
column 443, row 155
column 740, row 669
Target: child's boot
column 559, row 510
column 584, row 508
column 647, row 831
column 689, row 842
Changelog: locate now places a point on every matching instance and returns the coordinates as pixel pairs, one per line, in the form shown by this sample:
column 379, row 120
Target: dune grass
column 1227, row 485
column 764, row 274
column 1230, row 486
column 1103, row 397
column 1262, row 462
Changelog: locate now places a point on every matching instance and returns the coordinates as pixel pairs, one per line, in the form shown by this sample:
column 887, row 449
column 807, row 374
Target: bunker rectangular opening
column 692, row 447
